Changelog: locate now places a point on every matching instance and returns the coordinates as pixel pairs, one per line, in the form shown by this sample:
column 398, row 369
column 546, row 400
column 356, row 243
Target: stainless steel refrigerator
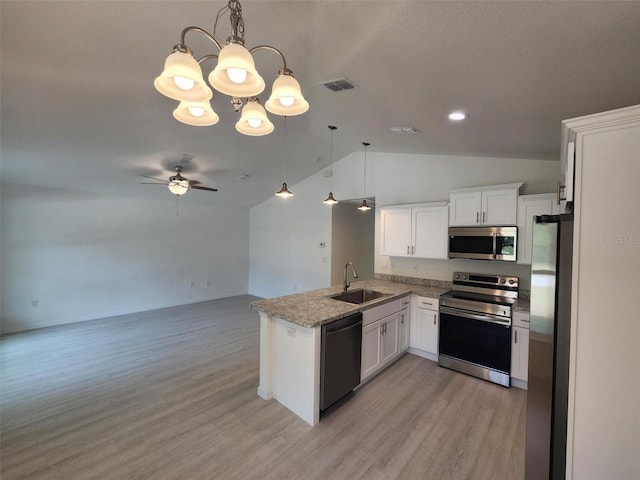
column 549, row 338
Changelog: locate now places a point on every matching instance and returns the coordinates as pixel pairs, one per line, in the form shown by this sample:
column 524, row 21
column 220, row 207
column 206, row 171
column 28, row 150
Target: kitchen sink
column 358, row 296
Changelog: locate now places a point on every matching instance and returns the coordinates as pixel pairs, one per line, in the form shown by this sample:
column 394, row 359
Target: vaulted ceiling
column 79, row 110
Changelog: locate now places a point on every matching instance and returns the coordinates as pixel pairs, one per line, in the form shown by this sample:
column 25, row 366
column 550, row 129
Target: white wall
column 285, row 253
column 352, row 240
column 284, row 237
column 84, row 256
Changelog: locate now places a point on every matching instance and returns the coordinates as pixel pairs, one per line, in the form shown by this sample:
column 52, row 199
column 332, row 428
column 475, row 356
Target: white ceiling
column 79, row 110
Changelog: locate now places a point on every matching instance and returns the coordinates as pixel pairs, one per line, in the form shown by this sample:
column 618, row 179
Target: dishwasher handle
column 348, row 327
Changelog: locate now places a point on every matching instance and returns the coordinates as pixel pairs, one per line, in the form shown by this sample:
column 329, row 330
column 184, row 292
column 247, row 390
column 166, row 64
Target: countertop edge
column 320, row 309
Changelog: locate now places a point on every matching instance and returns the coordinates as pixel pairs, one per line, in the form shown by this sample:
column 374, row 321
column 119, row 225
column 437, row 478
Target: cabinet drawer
column 376, row 313
column 426, row 302
column 521, row 319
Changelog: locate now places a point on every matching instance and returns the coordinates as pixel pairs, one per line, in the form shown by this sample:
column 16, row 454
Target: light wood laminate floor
column 171, row 394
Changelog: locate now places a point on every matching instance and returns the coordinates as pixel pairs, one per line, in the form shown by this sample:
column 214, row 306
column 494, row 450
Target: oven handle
column 476, row 316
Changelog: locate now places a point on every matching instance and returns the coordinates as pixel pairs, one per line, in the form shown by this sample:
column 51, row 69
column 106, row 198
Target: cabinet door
column 499, row 207
column 424, row 330
column 528, row 207
column 389, row 340
column 403, row 330
column 520, row 353
column 430, row 232
column 465, row 208
column 371, row 347
column 395, row 225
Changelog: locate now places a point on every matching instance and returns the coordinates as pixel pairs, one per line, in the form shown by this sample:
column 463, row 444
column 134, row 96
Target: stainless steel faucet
column 355, row 275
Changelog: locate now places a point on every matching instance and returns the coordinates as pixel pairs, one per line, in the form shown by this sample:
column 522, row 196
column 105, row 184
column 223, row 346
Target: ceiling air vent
column 339, row 84
column 405, row 130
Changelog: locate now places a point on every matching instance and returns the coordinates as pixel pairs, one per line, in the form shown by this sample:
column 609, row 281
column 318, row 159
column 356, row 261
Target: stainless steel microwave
column 483, row 243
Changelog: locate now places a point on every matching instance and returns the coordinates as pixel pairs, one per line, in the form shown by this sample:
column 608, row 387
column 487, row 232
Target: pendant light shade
column 284, row 192
column 199, row 114
column 254, row 121
column 330, row 200
column 181, row 78
column 286, row 96
column 364, row 207
column 236, row 74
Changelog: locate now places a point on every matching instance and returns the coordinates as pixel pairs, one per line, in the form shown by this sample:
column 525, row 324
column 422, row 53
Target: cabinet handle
column 434, row 319
column 560, row 188
column 477, row 217
column 484, row 217
column 402, row 319
column 516, row 340
column 408, row 249
column 413, row 249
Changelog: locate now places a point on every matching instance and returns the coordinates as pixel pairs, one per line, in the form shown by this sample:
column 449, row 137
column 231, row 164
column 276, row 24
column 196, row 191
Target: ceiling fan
column 178, row 185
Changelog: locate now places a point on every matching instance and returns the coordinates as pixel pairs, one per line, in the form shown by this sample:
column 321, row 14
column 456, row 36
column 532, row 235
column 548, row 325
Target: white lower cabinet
column 404, row 320
column 371, row 349
column 423, row 336
column 385, row 335
column 520, row 350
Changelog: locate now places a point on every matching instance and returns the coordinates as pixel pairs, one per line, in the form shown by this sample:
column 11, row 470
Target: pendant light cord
column 365, row 170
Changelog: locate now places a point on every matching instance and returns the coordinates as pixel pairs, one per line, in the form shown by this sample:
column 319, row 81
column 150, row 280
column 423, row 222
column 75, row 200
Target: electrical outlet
column 415, row 267
column 291, row 332
column 34, row 303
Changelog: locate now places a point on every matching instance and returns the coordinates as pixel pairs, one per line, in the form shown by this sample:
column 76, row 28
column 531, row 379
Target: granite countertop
column 314, row 308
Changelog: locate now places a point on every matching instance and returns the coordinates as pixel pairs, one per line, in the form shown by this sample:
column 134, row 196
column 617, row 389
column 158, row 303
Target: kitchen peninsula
column 290, row 338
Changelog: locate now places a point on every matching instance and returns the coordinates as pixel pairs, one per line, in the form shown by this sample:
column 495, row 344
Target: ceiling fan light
column 182, row 79
column 198, row 114
column 284, row 192
column 286, row 96
column 234, row 62
column 177, row 188
column 330, row 200
column 253, row 114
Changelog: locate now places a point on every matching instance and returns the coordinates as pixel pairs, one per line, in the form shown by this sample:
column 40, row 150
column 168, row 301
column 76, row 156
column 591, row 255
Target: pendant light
column 330, row 200
column 364, row 207
column 284, row 192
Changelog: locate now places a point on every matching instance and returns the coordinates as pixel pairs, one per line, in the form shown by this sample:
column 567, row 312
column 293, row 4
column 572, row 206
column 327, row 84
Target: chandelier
column 235, row 75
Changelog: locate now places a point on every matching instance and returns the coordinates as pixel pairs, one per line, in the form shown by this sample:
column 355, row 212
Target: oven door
column 479, row 339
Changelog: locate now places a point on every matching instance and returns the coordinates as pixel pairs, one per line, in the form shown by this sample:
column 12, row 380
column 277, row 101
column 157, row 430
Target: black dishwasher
column 340, row 359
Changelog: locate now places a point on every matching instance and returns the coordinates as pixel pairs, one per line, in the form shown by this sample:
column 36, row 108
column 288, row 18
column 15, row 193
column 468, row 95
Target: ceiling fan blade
column 152, row 183
column 154, row 178
column 204, row 188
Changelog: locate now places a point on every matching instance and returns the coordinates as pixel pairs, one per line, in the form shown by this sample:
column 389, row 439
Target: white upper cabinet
column 396, row 231
column 492, row 205
column 530, row 206
column 415, row 230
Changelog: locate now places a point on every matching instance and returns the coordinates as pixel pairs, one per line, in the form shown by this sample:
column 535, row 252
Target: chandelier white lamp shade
column 198, row 114
column 286, row 96
column 182, row 77
column 254, row 121
column 235, row 75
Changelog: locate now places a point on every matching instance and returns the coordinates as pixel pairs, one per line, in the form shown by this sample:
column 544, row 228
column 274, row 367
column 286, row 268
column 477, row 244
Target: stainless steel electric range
column 475, row 326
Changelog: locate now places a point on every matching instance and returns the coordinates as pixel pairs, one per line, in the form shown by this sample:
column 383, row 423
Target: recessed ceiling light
column 458, row 116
